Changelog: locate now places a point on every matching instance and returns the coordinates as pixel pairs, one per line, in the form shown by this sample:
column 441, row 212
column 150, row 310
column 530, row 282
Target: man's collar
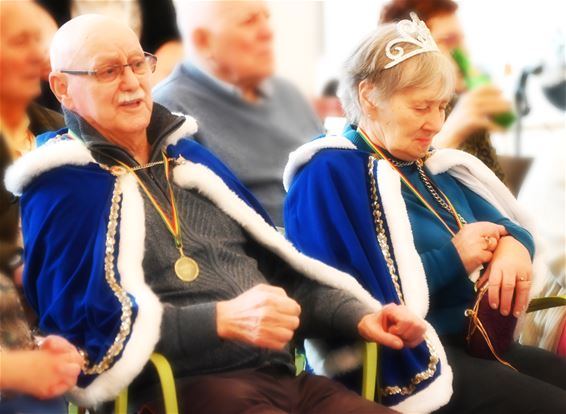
column 264, row 89
column 161, row 125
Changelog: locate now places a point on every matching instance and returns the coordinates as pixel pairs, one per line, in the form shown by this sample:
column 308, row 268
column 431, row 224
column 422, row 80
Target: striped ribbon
column 173, row 223
column 416, row 192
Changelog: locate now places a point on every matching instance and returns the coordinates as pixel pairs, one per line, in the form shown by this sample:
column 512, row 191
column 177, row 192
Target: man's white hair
column 192, row 15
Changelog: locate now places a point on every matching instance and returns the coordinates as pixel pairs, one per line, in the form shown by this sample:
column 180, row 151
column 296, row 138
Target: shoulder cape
column 330, row 215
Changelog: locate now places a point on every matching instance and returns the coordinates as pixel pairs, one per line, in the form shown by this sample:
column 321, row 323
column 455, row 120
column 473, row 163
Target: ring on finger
column 489, row 242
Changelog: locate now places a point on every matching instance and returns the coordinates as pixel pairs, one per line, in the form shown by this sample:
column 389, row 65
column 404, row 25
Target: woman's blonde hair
column 368, row 61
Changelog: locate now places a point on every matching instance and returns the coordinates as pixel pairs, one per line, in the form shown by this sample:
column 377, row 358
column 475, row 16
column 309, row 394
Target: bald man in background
column 251, row 119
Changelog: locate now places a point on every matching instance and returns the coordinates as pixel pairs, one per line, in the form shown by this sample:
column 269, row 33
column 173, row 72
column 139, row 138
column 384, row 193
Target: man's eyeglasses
column 140, row 66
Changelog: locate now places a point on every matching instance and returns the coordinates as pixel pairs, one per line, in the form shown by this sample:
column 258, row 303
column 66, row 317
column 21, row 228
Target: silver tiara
column 411, row 31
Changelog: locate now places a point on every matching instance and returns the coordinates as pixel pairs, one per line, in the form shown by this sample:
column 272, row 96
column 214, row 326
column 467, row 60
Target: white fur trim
column 146, row 328
column 51, row 155
column 409, row 264
column 439, row 392
column 305, row 152
column 196, row 176
column 348, row 358
column 188, row 128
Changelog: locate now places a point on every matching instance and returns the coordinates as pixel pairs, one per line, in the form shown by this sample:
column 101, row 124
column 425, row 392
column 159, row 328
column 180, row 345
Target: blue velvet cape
column 65, row 214
column 328, row 215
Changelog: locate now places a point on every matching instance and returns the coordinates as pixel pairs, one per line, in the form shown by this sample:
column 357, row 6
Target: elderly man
column 138, row 239
column 249, row 118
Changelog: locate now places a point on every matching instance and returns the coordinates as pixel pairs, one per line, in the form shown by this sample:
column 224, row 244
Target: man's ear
column 58, row 83
column 201, row 41
column 367, row 101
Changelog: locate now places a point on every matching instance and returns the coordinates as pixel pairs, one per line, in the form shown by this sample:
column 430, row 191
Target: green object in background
column 537, row 304
column 474, row 80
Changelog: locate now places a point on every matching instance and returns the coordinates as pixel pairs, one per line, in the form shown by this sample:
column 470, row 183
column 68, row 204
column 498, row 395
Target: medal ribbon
column 173, row 223
column 416, row 192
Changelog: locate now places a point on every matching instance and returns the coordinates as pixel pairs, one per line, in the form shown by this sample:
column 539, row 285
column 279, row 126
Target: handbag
column 489, row 333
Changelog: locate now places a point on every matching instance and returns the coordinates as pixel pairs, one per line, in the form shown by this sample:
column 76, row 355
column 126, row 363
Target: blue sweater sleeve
column 484, row 211
column 442, row 266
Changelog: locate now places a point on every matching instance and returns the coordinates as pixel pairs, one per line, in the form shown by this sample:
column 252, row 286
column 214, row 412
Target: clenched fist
column 394, row 326
column 263, row 316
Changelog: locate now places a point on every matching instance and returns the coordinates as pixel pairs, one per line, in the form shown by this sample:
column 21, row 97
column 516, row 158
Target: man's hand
column 394, row 326
column 476, row 243
column 263, row 316
column 472, row 113
column 509, row 274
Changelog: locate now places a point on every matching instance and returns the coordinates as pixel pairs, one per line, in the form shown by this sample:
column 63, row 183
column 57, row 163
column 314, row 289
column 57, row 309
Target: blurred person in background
column 251, row 119
column 22, row 59
column 29, row 378
column 152, row 21
column 468, row 122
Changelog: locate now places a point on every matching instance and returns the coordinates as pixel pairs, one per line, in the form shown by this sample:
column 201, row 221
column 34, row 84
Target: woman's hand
column 44, row 373
column 476, row 243
column 509, row 274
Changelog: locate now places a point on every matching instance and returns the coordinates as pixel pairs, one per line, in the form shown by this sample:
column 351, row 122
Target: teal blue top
column 451, row 292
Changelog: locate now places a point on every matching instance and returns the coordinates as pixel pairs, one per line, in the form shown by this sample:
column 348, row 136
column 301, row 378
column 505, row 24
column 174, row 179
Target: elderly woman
column 416, row 226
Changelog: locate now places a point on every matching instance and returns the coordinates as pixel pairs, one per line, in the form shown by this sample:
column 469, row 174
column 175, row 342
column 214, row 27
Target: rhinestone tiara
column 412, row 31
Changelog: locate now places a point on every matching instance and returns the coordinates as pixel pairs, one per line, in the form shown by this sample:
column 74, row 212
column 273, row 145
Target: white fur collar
column 188, row 128
column 58, row 152
column 51, row 155
column 305, row 152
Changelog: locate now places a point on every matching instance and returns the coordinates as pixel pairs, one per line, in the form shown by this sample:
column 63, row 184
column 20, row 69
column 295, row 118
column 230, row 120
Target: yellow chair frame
column 166, row 380
column 370, row 381
column 548, row 302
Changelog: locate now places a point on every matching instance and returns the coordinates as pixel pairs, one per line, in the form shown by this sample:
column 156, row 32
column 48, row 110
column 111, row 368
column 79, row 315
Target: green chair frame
column 370, row 372
column 370, row 380
column 547, row 302
column 166, row 380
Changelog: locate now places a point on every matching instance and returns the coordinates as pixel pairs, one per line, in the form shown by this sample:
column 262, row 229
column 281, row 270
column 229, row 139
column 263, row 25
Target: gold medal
column 186, row 269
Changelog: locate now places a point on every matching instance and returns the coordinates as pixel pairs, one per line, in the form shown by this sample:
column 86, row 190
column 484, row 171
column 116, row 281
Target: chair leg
column 167, row 383
column 121, row 402
column 370, row 380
